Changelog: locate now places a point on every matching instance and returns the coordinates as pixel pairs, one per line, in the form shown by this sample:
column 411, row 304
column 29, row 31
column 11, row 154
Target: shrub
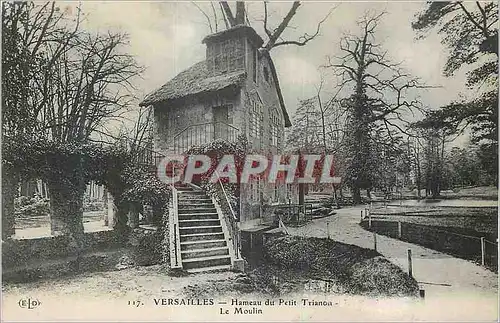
column 146, row 246
column 31, row 207
column 359, row 270
column 89, row 206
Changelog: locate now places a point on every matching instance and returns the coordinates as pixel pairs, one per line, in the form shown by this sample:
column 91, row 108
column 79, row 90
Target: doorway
column 221, row 120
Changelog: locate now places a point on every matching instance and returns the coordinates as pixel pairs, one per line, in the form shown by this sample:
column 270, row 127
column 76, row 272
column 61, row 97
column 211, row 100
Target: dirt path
column 456, row 290
column 444, row 278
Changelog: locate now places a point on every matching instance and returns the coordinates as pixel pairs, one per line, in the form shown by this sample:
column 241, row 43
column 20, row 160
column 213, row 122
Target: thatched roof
column 288, row 123
column 194, row 80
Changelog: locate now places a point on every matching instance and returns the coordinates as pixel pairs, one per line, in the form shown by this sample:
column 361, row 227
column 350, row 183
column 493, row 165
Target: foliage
column 146, row 246
column 470, row 31
column 305, row 132
column 216, row 150
column 142, row 187
column 464, row 168
column 76, row 164
column 359, row 270
column 92, row 206
column 31, row 207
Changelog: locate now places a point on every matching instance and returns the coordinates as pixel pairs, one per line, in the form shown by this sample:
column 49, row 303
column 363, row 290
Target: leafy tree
column 470, row 31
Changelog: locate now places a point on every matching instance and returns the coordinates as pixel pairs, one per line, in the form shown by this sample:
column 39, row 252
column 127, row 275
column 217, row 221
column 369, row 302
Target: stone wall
column 264, row 90
column 20, row 252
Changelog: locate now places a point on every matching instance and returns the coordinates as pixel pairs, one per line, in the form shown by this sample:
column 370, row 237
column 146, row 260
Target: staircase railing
column 202, row 133
column 230, row 219
column 175, row 248
column 282, row 225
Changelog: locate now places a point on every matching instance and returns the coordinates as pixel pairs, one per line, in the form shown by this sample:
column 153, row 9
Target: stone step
column 206, row 262
column 195, row 201
column 184, row 193
column 202, row 236
column 198, row 210
column 190, row 245
column 185, row 189
column 203, row 269
column 199, row 229
column 205, row 252
column 191, row 198
column 188, row 205
column 204, row 216
column 198, row 222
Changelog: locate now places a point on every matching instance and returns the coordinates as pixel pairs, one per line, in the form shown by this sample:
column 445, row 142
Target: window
column 290, row 191
column 266, row 74
column 275, row 127
column 276, row 192
column 255, row 190
column 254, row 65
column 274, row 135
column 255, row 119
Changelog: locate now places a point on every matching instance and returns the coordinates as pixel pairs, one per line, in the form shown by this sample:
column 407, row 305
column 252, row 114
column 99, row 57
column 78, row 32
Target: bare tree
column 70, row 81
column 89, row 83
column 273, row 36
column 26, row 28
column 381, row 95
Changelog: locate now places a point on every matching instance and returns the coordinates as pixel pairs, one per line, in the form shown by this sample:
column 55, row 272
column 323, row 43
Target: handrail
column 203, row 133
column 281, row 224
column 231, row 221
column 225, row 195
column 204, row 124
column 175, row 249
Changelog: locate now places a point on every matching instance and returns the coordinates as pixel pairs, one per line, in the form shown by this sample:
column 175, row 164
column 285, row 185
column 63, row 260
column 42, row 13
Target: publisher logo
column 29, row 303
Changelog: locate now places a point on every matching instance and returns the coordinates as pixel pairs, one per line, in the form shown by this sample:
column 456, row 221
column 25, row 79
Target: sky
column 165, row 38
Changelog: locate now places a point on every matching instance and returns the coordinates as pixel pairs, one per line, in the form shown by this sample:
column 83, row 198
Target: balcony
column 203, row 133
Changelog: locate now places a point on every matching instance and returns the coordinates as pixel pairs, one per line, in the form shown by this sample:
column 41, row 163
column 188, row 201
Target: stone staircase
column 203, row 243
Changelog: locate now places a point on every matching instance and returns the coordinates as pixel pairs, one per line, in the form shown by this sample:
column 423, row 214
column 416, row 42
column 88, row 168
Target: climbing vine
column 68, row 167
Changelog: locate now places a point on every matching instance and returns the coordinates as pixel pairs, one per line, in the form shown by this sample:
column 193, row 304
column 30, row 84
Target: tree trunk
column 121, row 217
column 66, row 209
column 133, row 216
column 301, row 194
column 10, row 183
column 240, row 13
column 335, row 196
column 356, row 195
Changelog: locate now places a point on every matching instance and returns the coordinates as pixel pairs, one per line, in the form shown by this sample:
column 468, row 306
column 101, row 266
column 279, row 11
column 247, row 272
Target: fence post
column 483, row 251
column 369, row 221
column 361, row 215
column 399, row 230
column 328, row 229
column 410, row 266
column 374, row 240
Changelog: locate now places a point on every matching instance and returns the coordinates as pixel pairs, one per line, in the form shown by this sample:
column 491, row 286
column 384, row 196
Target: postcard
column 214, row 161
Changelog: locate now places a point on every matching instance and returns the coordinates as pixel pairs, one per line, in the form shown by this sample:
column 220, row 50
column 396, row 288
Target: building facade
column 234, row 91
